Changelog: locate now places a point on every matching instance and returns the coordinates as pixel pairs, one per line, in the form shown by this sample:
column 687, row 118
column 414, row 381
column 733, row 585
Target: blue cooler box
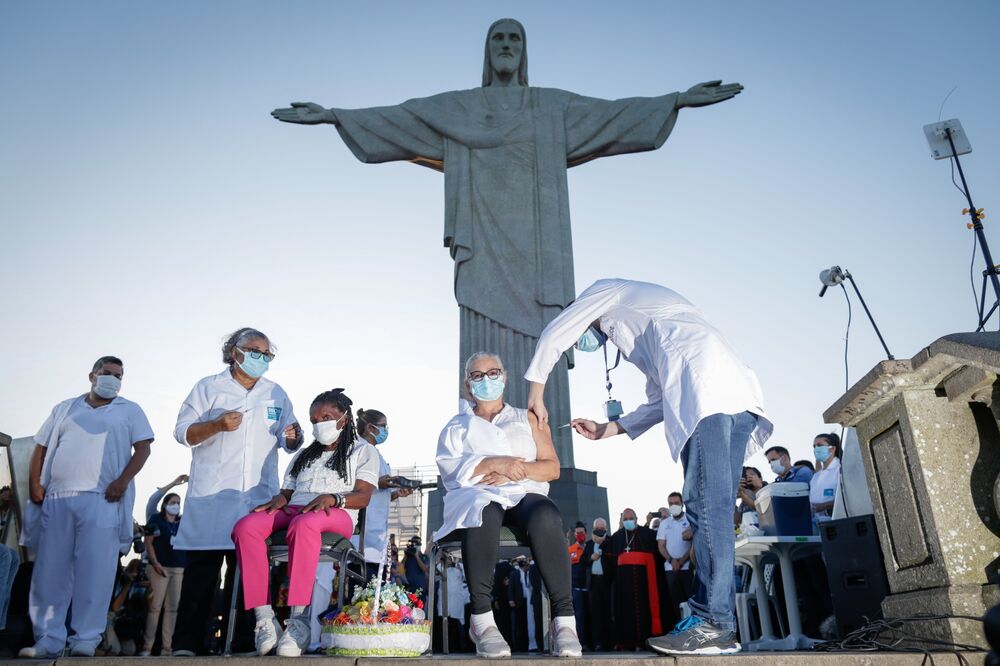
column 784, row 510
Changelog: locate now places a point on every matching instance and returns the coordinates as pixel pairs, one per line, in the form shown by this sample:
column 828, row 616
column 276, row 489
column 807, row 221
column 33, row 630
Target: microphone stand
column 847, row 274
column 991, row 271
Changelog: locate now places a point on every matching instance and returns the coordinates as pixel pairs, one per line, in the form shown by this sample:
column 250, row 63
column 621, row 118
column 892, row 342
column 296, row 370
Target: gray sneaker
column 295, row 639
column 490, row 644
column 565, row 642
column 694, row 635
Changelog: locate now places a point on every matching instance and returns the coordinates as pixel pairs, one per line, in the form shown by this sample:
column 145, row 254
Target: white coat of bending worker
column 711, row 407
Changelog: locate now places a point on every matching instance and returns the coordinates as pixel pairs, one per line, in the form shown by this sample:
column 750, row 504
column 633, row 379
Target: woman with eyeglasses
column 234, row 423
column 325, row 486
column 495, row 462
column 373, row 427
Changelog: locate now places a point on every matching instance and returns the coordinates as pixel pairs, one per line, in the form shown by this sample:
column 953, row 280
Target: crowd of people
column 495, row 462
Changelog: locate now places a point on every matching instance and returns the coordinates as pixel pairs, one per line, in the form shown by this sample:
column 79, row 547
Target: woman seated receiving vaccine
column 323, row 489
column 496, row 461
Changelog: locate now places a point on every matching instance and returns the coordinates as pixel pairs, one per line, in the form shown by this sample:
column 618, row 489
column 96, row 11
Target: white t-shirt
column 318, row 479
column 93, row 445
column 823, row 487
column 671, row 531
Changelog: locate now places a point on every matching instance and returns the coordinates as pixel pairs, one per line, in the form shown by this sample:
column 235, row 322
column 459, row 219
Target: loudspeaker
column 855, row 570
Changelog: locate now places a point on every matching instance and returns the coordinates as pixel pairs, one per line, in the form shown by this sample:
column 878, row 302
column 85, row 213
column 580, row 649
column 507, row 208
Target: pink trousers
column 304, row 541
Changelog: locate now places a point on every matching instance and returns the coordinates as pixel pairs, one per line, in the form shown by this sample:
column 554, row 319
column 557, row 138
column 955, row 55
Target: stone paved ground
column 754, row 659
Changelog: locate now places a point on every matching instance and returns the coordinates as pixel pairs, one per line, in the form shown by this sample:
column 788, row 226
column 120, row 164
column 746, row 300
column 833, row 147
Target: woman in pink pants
column 324, row 487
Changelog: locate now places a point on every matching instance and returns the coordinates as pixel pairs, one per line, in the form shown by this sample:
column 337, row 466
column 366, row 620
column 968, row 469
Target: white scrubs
column 77, row 533
column 231, row 472
column 691, row 371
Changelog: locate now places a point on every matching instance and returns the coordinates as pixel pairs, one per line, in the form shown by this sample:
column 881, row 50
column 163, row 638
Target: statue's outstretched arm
column 710, row 92
column 305, row 113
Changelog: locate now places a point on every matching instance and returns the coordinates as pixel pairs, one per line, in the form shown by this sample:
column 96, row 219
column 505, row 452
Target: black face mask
column 600, row 533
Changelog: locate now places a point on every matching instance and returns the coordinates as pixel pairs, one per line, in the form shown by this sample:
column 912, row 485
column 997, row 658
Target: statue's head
column 506, row 52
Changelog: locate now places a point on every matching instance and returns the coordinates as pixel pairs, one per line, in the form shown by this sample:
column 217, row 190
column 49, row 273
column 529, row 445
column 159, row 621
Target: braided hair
column 344, row 444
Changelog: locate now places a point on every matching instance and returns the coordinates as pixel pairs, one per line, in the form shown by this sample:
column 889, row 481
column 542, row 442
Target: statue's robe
column 507, row 222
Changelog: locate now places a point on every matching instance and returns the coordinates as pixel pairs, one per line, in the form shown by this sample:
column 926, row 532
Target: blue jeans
column 713, row 463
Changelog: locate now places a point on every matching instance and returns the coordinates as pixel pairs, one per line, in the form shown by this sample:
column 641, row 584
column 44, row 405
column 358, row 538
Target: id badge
column 613, row 410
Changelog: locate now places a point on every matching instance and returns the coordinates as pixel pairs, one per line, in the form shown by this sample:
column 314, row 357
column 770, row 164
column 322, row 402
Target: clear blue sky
column 150, row 204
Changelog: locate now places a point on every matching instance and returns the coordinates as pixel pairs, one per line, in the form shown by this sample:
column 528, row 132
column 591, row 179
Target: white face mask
column 326, row 432
column 173, row 509
column 777, row 467
column 675, row 510
column 107, row 386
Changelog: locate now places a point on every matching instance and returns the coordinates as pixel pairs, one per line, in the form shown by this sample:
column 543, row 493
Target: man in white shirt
column 711, row 407
column 80, row 479
column 674, row 541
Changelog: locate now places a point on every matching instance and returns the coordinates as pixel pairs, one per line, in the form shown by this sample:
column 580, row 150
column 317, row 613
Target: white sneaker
column 182, row 653
column 83, row 650
column 145, row 653
column 490, row 644
column 295, row 639
column 565, row 642
column 35, row 652
column 265, row 635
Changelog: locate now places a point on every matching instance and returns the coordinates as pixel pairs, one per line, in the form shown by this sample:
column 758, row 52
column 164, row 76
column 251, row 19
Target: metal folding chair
column 513, row 543
column 333, row 548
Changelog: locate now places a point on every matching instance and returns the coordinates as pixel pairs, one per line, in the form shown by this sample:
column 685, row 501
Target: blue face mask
column 254, row 367
column 629, row 525
column 381, row 433
column 488, row 389
column 822, row 453
column 590, row 341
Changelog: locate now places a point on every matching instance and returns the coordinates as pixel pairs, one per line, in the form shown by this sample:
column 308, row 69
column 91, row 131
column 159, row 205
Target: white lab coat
column 463, row 444
column 231, row 472
column 377, row 517
column 691, row 371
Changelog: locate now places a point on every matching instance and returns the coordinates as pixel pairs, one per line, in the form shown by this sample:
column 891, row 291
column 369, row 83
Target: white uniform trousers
column 76, row 562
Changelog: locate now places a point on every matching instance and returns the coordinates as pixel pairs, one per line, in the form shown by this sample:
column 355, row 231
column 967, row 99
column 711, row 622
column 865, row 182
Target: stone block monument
column 930, row 442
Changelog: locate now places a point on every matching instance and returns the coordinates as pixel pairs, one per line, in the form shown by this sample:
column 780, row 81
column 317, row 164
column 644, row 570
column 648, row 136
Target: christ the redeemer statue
column 504, row 149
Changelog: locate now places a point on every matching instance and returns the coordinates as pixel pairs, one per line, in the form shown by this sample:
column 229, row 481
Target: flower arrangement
column 382, row 620
column 395, row 606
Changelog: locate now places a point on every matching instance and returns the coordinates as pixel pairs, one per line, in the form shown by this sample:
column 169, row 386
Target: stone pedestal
column 576, row 493
column 930, row 442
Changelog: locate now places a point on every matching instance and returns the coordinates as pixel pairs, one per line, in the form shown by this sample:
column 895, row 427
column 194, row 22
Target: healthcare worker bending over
column 234, row 423
column 496, row 461
column 711, row 406
column 324, row 487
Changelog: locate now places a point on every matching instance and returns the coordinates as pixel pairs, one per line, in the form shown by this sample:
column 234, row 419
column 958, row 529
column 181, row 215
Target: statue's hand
column 305, row 113
column 710, row 92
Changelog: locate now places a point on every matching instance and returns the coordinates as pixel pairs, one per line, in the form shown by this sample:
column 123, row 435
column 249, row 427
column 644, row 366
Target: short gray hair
column 237, row 338
column 482, row 354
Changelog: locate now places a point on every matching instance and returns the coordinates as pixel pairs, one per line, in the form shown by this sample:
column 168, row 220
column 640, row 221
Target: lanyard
column 607, row 370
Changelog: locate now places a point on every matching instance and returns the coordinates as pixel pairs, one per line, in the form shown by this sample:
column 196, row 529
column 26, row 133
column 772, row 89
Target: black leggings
column 539, row 519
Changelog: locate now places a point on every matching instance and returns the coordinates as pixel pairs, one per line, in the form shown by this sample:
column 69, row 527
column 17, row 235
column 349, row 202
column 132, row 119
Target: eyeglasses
column 256, row 353
column 493, row 373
